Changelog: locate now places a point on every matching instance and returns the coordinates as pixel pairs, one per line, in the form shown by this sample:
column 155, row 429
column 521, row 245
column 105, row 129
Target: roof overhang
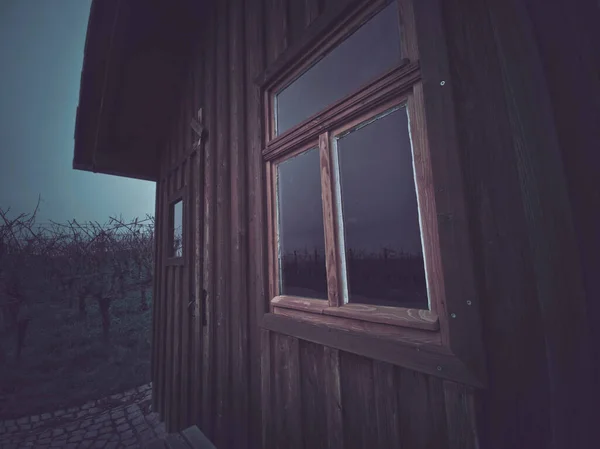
column 136, row 52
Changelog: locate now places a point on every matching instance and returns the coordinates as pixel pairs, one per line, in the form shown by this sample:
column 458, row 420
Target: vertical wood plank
column 551, row 234
column 360, row 429
column 173, row 300
column 188, row 253
column 272, row 258
column 188, row 101
column 164, row 311
column 168, row 416
column 255, row 62
column 426, row 202
column 421, row 410
column 437, row 415
column 518, row 385
column 198, row 223
column 334, row 286
column 277, row 28
column 458, row 272
column 314, row 395
column 386, row 404
column 169, row 296
column 266, row 394
column 176, row 362
column 287, row 392
column 157, row 317
column 171, row 152
column 312, row 9
column 334, row 406
column 574, row 90
column 239, row 256
column 180, row 130
column 223, row 299
column 176, row 300
column 173, row 305
column 296, row 19
column 408, row 35
column 460, row 416
column 208, row 273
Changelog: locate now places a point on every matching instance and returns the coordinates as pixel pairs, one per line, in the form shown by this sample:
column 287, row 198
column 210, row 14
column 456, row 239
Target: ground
column 124, row 420
column 65, row 361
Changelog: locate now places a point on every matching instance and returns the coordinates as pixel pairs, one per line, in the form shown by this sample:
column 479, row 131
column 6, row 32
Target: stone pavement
column 123, row 420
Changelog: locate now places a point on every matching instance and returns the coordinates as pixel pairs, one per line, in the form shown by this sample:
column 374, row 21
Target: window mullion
column 334, row 295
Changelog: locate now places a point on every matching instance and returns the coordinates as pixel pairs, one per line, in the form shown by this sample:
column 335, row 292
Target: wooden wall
column 528, row 266
column 252, row 388
column 178, row 334
column 574, row 89
column 320, row 397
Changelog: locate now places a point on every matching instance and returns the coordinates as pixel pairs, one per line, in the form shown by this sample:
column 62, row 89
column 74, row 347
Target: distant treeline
column 73, row 263
column 387, row 275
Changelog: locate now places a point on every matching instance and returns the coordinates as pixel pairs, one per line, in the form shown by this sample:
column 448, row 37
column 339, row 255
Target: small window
column 372, row 50
column 301, row 242
column 176, row 229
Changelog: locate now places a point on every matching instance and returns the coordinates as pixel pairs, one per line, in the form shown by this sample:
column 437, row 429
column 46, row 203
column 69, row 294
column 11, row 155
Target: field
column 385, row 277
column 64, row 361
column 75, row 312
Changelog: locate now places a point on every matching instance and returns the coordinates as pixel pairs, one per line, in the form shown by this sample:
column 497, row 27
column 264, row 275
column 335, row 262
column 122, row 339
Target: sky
column 41, row 55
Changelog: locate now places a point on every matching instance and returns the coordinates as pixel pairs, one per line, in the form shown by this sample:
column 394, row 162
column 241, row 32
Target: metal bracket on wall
column 198, row 127
column 204, row 304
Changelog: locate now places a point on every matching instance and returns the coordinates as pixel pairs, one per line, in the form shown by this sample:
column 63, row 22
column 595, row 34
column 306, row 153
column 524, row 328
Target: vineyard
column 75, row 311
column 386, row 277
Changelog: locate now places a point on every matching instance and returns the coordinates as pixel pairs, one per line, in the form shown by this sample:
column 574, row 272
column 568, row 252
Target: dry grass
column 65, row 362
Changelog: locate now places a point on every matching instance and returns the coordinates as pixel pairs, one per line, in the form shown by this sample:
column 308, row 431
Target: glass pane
column 372, row 50
column 384, row 256
column 178, row 229
column 301, row 232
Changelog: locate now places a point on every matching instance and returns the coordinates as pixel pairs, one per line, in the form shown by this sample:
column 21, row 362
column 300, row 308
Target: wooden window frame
column 174, row 198
column 435, row 340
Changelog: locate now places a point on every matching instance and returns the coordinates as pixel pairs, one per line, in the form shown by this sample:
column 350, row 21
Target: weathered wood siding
column 250, row 387
column 178, row 340
column 529, row 271
column 312, row 396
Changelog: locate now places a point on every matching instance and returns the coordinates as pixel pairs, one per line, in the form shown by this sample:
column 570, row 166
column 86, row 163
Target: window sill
column 400, row 324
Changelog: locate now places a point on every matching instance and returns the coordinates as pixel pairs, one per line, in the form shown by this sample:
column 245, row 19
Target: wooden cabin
column 377, row 220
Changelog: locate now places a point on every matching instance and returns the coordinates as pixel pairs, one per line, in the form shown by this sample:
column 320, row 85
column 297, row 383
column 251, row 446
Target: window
column 301, row 243
column 366, row 223
column 346, row 239
column 175, row 236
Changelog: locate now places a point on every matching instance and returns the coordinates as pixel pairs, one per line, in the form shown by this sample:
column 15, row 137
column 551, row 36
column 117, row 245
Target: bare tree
column 81, row 261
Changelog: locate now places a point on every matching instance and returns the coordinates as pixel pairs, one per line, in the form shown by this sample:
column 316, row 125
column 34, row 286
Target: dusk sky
column 41, row 49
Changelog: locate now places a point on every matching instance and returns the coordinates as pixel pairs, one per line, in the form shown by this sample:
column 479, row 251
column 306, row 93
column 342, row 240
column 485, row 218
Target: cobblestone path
column 123, row 420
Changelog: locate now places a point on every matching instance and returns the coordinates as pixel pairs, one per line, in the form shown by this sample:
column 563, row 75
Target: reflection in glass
column 372, row 50
column 384, row 256
column 301, row 237
column 177, row 220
